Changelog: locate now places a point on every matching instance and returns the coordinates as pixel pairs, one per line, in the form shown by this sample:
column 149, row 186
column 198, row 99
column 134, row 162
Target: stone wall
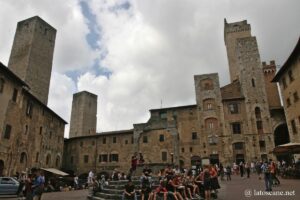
column 32, row 54
column 84, row 114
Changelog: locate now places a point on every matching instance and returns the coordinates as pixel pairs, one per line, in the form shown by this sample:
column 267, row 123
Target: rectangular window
column 7, row 131
column 163, row 115
column 236, row 128
column 81, row 144
column 26, row 129
column 1, row 85
column 233, row 108
column 103, row 158
column 164, row 156
column 291, row 77
column 15, row 95
column 29, row 108
column 238, row 146
column 253, row 82
column 104, row 140
column 182, row 150
column 294, row 128
column 161, row 138
column 41, row 130
column 37, row 157
column 288, row 102
column 86, row 159
column 145, row 139
column 114, row 139
column 262, row 145
column 284, row 83
column 194, row 136
column 114, row 157
column 191, row 149
column 126, row 141
column 259, row 125
column 296, row 97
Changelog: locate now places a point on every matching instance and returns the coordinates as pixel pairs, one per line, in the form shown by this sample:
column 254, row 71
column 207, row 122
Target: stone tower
column 32, row 54
column 271, row 88
column 233, row 31
column 84, row 114
column 245, row 65
column 210, row 113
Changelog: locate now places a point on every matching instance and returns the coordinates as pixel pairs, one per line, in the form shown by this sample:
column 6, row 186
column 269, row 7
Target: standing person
column 235, row 168
column 273, row 171
column 28, row 188
column 228, row 173
column 247, row 168
column 267, row 175
column 252, row 165
column 38, row 186
column 206, row 182
column 141, row 159
column 90, row 177
column 221, row 170
column 242, row 169
column 76, row 183
column 258, row 169
column 134, row 162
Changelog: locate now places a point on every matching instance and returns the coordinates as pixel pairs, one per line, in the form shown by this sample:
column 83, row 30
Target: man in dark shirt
column 129, row 192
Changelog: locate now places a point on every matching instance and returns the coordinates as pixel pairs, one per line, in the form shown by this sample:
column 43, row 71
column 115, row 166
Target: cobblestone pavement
column 243, row 188
column 231, row 190
column 73, row 195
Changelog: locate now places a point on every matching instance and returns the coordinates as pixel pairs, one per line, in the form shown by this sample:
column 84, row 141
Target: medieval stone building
column 241, row 121
column 32, row 135
column 289, row 80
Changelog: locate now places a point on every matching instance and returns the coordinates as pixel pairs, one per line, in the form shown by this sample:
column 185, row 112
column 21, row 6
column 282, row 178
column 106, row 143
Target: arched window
column 23, row 158
column 57, row 162
column 211, row 123
column 208, row 104
column 253, row 82
column 257, row 113
column 48, row 159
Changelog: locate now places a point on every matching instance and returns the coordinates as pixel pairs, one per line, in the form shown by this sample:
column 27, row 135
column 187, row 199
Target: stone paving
column 242, row 188
column 231, row 190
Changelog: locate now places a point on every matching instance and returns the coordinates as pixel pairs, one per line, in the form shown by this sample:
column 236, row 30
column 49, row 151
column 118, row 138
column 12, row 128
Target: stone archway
column 281, row 134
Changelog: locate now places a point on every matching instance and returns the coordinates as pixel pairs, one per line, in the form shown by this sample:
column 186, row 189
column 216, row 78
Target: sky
column 138, row 55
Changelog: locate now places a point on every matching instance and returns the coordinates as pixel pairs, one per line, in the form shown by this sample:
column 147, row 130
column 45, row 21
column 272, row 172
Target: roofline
column 12, row 74
column 288, row 62
column 45, row 106
column 101, row 134
column 176, row 107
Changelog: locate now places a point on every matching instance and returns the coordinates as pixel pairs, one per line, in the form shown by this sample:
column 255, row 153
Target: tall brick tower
column 84, row 114
column 32, row 54
column 245, row 66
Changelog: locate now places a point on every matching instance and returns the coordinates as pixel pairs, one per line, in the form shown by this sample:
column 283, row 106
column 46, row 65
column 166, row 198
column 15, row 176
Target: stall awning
column 55, row 171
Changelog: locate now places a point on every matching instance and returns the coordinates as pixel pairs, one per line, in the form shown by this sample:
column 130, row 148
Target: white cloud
column 153, row 48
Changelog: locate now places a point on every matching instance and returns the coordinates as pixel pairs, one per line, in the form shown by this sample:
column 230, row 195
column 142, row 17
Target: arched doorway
column 1, row 167
column 281, row 135
column 195, row 161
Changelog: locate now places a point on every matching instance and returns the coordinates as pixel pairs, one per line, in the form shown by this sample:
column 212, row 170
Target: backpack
column 266, row 169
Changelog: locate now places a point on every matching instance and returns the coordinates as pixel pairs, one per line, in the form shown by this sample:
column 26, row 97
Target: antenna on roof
column 161, row 103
